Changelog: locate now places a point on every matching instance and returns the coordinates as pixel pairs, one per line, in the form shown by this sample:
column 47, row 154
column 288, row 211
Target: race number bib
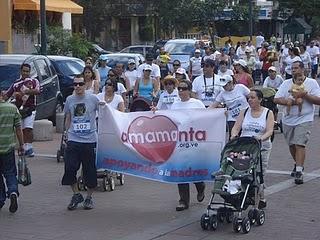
column 81, row 126
column 235, row 112
column 168, row 99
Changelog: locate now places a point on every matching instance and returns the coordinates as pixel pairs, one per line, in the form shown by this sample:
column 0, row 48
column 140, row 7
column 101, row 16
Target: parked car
column 141, row 49
column 180, row 49
column 50, row 98
column 66, row 68
column 115, row 58
column 157, row 45
column 99, row 50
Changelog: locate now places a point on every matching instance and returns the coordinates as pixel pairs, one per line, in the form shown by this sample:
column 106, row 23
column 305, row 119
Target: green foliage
column 63, row 42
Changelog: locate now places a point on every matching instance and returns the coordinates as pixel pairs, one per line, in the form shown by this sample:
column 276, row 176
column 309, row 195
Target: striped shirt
column 9, row 119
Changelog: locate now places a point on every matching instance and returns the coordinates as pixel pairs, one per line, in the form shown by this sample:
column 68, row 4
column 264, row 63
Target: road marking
column 46, row 155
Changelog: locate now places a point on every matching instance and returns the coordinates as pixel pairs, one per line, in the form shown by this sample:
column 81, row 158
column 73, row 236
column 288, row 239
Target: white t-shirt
column 313, row 51
column 191, row 103
column 241, row 52
column 275, row 83
column 196, row 66
column 115, row 101
column 154, row 73
column 228, row 72
column 289, row 62
column 167, row 99
column 307, row 113
column 235, row 100
column 306, row 59
column 132, row 77
column 259, row 41
column 206, row 89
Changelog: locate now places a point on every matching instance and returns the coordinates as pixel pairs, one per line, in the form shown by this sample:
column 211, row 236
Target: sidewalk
column 143, row 209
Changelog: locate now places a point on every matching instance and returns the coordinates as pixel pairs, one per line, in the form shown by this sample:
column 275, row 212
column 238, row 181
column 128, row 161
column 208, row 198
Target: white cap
column 181, row 71
column 197, row 51
column 242, row 62
column 147, row 67
column 248, row 49
column 225, row 80
column 272, row 68
column 131, row 61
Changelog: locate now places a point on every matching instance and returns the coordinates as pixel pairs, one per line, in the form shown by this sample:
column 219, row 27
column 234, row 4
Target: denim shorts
column 80, row 154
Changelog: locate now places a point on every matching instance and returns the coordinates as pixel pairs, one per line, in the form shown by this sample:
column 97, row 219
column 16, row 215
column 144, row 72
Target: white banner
column 169, row 146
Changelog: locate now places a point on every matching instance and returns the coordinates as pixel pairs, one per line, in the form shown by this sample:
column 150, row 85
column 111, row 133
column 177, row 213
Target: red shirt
column 20, row 85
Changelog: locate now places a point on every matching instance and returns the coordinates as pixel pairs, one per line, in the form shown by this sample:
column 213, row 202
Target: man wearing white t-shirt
column 314, row 54
column 206, row 87
column 297, row 125
column 274, row 80
column 195, row 69
column 259, row 40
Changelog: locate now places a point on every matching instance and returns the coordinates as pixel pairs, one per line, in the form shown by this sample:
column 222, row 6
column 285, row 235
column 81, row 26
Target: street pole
column 250, row 19
column 43, row 25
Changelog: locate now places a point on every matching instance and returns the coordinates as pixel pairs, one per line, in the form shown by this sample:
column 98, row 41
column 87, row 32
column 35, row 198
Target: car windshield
column 9, row 72
column 179, row 48
column 70, row 67
column 113, row 60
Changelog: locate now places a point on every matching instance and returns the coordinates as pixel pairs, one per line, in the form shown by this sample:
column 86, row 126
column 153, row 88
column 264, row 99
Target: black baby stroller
column 268, row 96
column 237, row 183
column 140, row 104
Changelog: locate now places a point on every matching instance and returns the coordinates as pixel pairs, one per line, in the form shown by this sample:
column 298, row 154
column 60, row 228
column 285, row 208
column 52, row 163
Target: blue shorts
column 75, row 155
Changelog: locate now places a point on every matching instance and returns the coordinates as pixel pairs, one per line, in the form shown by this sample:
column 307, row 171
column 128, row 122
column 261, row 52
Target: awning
column 51, row 5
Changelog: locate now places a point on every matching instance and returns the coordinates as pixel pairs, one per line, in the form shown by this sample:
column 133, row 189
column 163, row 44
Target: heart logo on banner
column 154, row 138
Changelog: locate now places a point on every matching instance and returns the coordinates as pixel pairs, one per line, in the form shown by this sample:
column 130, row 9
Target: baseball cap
column 248, row 50
column 225, row 80
column 197, row 51
column 181, row 71
column 147, row 67
column 240, row 62
column 131, row 61
column 272, row 68
column 103, row 57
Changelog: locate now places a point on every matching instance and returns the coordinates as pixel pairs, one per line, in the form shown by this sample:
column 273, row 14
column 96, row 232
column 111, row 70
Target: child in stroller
column 237, row 182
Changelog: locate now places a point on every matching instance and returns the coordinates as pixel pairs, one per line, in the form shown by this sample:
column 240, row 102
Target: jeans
column 8, row 170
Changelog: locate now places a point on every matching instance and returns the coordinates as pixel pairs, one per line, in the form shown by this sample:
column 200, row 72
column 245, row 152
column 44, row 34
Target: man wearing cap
column 206, row 86
column 274, row 80
column 195, row 69
column 314, row 54
column 155, row 73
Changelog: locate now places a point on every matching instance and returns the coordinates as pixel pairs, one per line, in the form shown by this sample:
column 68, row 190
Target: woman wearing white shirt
column 306, row 59
column 293, row 57
column 109, row 97
column 256, row 121
column 274, row 80
column 169, row 95
column 234, row 97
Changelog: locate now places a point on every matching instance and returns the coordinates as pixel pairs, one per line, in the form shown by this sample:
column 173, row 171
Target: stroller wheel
column 246, row 225
column 220, row 216
column 229, row 216
column 121, row 178
column 236, row 224
column 204, row 221
column 252, row 215
column 213, row 221
column 260, row 217
column 280, row 125
column 105, row 183
column 112, row 184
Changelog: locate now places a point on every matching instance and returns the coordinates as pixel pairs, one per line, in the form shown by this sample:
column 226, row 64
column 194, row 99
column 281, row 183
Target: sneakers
column 298, row 178
column 13, row 202
column 75, row 200
column 29, row 153
column 293, row 173
column 181, row 207
column 88, row 203
column 262, row 204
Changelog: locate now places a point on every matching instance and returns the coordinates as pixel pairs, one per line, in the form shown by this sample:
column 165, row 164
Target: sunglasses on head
column 79, row 84
column 183, row 88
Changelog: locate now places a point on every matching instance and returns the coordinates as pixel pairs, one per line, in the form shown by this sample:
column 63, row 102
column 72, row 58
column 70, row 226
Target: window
column 44, row 69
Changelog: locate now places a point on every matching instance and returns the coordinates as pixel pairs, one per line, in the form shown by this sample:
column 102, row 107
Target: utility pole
column 250, row 19
column 43, row 26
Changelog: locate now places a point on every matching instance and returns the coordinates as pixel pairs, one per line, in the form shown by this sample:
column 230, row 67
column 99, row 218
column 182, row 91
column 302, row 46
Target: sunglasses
column 208, row 66
column 176, row 65
column 79, row 84
column 111, row 75
column 169, row 83
column 183, row 89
